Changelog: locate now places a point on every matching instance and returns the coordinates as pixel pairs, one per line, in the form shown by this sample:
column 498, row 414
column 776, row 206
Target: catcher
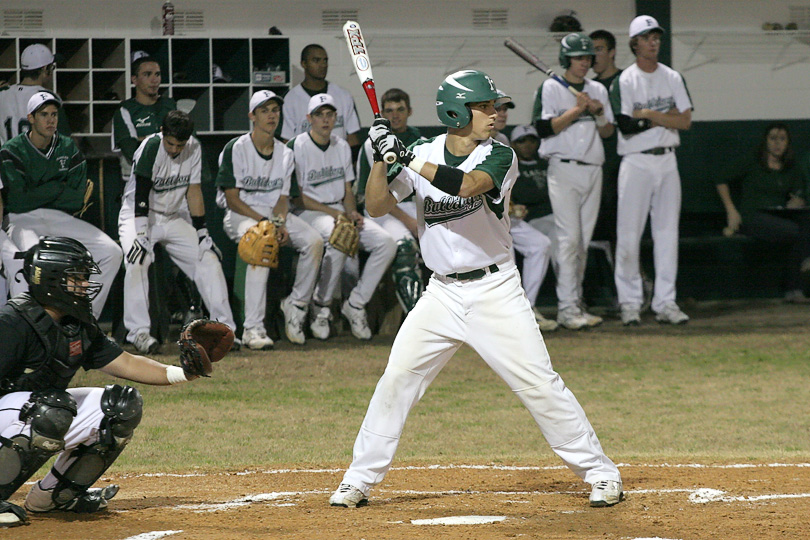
column 48, row 334
column 254, row 178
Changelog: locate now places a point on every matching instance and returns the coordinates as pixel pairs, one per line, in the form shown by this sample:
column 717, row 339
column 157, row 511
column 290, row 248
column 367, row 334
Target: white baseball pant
column 179, row 238
column 575, row 191
column 373, row 238
column 26, row 229
column 83, row 430
column 306, row 241
column 648, row 185
column 493, row 316
column 536, row 250
column 10, row 265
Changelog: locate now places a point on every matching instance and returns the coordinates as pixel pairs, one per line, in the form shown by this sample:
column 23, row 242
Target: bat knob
column 390, row 158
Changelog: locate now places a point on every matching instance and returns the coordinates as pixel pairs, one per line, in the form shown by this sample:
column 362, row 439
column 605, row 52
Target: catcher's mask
column 58, row 271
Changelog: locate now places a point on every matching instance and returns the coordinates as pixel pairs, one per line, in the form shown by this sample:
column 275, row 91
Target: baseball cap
column 643, row 24
column 40, row 99
column 320, row 100
column 262, row 96
column 503, row 99
column 523, row 131
column 36, row 56
column 137, row 55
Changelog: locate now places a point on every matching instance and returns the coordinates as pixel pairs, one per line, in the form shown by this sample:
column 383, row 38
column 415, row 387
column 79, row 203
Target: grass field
column 731, row 385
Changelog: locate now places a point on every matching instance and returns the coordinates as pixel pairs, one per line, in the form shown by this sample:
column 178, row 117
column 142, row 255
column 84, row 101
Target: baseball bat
column 525, row 54
column 362, row 65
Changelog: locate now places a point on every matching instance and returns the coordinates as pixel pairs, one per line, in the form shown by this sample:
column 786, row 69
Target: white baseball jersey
column 459, row 234
column 295, row 112
column 322, row 173
column 260, row 180
column 170, row 176
column 14, row 109
column 660, row 91
column 580, row 141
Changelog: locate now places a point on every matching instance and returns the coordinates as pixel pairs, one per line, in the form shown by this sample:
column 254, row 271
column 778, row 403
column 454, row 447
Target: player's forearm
column 349, row 202
column 379, row 200
column 606, row 131
column 565, row 119
column 196, row 206
column 137, row 369
column 672, row 119
column 282, row 207
column 312, row 204
column 236, row 204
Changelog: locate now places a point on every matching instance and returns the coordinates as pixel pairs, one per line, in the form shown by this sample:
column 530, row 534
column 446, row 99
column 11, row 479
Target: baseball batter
column 462, row 181
column 400, row 223
column 163, row 187
column 572, row 128
column 651, row 105
column 36, row 73
column 255, row 173
column 315, row 62
column 48, row 334
column 323, row 170
column 45, row 176
column 142, row 115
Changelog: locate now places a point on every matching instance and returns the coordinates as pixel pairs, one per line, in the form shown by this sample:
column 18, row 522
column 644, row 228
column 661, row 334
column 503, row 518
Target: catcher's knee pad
column 122, row 407
column 49, row 413
column 406, row 274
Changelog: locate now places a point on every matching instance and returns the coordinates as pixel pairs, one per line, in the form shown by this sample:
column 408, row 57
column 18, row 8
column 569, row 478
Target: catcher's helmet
column 459, row 89
column 58, row 271
column 575, row 44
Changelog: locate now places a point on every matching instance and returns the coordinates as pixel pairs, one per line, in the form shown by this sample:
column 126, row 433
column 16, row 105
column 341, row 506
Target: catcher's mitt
column 259, row 245
column 202, row 342
column 345, row 237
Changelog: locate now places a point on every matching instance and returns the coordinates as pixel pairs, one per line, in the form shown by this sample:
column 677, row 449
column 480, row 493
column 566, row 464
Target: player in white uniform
column 462, row 181
column 400, row 223
column 315, row 62
column 572, row 128
column 164, row 186
column 255, row 172
column 323, row 170
column 36, row 73
column 651, row 105
column 502, row 106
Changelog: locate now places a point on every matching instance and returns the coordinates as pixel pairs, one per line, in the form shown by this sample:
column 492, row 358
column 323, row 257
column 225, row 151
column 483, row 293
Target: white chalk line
column 154, row 535
column 470, row 467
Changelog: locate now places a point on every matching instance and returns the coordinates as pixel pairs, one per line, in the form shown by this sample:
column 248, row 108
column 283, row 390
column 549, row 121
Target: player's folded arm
column 631, row 126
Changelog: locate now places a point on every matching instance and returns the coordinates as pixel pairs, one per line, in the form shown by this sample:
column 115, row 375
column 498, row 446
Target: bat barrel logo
column 361, row 63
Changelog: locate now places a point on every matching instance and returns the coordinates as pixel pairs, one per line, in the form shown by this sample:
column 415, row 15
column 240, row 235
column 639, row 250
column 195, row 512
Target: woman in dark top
column 770, row 204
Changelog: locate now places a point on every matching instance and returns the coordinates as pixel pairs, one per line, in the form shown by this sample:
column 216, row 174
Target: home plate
column 459, row 520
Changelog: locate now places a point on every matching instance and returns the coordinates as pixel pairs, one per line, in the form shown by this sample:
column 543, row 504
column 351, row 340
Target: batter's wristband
column 601, row 120
column 416, row 165
column 448, row 179
column 198, row 222
column 175, row 375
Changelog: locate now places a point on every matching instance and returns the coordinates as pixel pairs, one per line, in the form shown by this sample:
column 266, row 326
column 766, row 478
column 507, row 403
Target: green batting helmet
column 459, row 89
column 575, row 44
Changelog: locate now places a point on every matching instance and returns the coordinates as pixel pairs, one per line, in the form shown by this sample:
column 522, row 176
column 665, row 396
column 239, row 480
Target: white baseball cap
column 263, row 96
column 503, row 99
column 36, row 56
column 137, row 55
column 523, row 131
column 40, row 99
column 643, row 24
column 320, row 100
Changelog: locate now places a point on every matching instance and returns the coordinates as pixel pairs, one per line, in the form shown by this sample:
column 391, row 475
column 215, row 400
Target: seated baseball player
column 255, row 173
column 400, row 223
column 48, row 334
column 45, row 178
column 164, row 186
column 529, row 202
column 323, row 170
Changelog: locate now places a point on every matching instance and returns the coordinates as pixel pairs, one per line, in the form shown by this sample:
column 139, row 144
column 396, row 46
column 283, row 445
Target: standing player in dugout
column 651, row 104
column 463, row 181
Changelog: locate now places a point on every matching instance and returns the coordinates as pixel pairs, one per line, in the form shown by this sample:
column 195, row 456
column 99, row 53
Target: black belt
column 578, row 162
column 474, row 274
column 659, row 150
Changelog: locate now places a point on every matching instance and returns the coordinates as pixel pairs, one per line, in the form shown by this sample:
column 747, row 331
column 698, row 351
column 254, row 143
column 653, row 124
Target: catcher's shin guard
column 122, row 407
column 49, row 413
column 406, row 274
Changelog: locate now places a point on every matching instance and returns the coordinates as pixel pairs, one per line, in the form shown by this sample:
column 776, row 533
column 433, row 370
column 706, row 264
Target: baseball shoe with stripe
column 348, row 496
column 606, row 493
column 672, row 314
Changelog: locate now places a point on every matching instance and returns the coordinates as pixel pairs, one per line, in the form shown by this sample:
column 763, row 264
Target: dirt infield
column 664, row 501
